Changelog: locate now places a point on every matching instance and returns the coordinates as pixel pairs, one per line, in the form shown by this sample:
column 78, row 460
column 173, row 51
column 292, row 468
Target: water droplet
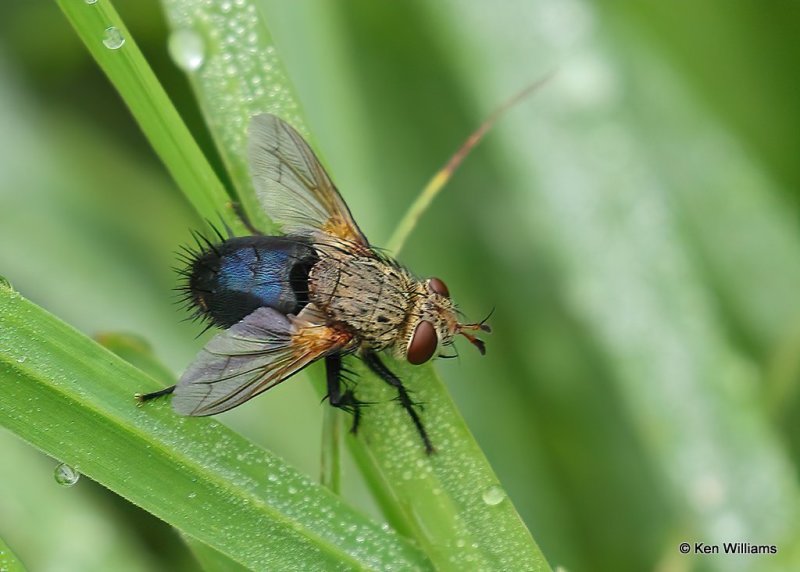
column 291, row 490
column 65, row 475
column 187, row 50
column 192, row 495
column 493, row 495
column 21, row 359
column 91, row 1
column 113, row 38
column 272, row 477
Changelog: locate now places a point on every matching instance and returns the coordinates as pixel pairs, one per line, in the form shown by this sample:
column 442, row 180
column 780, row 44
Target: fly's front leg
column 346, row 401
column 240, row 212
column 148, row 396
column 375, row 364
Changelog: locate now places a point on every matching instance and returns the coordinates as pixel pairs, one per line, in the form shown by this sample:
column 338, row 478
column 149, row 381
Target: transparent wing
column 292, row 185
column 255, row 354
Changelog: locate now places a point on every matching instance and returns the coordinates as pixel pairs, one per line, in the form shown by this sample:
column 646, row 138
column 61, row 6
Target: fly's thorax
column 371, row 297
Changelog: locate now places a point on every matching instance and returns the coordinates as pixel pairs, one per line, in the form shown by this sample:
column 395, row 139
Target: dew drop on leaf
column 65, row 475
column 113, row 38
column 187, row 49
column 91, row 1
column 493, row 495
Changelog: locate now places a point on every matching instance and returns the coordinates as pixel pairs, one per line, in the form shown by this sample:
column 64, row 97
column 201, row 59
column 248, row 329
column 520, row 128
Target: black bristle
column 188, row 294
column 209, row 244
column 216, row 230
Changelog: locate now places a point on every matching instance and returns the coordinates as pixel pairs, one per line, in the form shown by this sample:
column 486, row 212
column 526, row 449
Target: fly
column 320, row 291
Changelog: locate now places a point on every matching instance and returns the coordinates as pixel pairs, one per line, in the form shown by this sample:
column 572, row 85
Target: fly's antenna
column 443, row 175
column 483, row 325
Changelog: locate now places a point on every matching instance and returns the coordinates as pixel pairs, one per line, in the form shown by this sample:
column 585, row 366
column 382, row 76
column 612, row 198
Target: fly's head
column 434, row 324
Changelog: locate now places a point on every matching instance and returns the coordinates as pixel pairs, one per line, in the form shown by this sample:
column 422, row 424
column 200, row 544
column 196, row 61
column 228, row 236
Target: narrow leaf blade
column 441, row 501
column 74, row 400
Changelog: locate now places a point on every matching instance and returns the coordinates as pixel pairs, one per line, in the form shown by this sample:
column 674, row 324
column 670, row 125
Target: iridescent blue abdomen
column 234, row 278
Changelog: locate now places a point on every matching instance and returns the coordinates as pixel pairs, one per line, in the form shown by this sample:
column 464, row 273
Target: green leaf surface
column 138, row 353
column 451, row 501
column 113, row 47
column 440, row 500
column 73, row 399
column 613, row 198
column 8, row 560
column 232, row 64
column 210, row 559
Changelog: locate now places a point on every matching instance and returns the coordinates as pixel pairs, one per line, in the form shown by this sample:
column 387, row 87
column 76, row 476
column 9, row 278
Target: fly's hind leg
column 346, row 400
column 240, row 212
column 375, row 364
column 142, row 397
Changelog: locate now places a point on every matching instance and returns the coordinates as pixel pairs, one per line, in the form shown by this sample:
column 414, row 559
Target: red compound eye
column 436, row 285
column 423, row 343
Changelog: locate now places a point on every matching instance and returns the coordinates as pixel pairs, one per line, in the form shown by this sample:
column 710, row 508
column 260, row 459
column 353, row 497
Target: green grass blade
column 232, row 64
column 138, row 353
column 451, row 501
column 615, row 224
column 330, row 463
column 8, row 560
column 440, row 500
column 131, row 75
column 212, row 560
column 73, row 399
column 423, row 201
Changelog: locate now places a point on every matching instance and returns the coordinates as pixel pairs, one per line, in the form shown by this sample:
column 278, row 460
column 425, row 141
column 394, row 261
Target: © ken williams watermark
column 727, row 548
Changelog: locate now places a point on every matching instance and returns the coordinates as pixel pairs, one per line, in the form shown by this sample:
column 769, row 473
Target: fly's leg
column 346, row 400
column 141, row 398
column 237, row 208
column 375, row 364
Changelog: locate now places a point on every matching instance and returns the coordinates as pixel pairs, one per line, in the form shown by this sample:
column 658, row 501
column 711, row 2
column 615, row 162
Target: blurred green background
column 635, row 225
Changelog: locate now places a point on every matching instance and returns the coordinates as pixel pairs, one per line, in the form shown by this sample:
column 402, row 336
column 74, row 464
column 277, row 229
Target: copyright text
column 727, row 548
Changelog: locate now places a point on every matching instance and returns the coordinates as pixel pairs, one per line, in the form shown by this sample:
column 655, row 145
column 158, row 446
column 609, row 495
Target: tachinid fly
column 319, row 291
